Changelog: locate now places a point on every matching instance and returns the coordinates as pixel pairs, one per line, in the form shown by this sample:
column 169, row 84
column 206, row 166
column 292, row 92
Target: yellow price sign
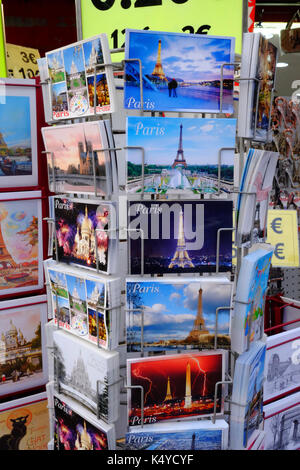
column 283, row 235
column 21, row 61
column 213, row 17
column 2, row 44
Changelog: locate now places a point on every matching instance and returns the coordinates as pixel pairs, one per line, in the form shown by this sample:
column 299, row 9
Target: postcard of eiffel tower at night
column 180, row 72
column 181, row 155
column 179, row 236
column 180, row 386
column 179, row 313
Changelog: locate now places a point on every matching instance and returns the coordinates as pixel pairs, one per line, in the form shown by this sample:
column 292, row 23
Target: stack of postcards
column 247, row 395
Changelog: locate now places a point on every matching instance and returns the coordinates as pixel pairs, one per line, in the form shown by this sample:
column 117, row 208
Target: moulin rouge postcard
column 180, row 386
column 179, row 237
column 180, row 72
column 177, row 313
column 181, row 155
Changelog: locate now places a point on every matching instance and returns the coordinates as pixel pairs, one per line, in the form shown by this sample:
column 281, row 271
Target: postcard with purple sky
column 181, row 154
column 177, row 314
column 180, row 72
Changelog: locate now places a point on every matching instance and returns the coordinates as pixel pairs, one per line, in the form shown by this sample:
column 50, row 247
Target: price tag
column 214, row 17
column 21, row 61
column 283, row 235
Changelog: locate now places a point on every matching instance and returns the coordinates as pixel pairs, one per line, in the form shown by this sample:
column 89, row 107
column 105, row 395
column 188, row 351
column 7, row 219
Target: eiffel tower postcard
column 180, row 72
column 177, row 386
column 179, row 236
column 181, row 155
column 178, row 313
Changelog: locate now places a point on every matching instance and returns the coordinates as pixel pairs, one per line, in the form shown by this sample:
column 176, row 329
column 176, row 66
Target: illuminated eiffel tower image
column 181, row 258
column 158, row 69
column 180, row 160
column 169, row 394
column 199, row 323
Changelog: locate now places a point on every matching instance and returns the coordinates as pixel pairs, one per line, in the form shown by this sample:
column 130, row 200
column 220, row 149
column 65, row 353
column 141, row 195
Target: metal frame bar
column 142, row 249
column 132, row 387
column 231, row 229
column 141, row 79
column 142, row 310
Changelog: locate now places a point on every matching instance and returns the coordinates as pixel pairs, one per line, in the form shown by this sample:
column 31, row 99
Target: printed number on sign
column 107, row 4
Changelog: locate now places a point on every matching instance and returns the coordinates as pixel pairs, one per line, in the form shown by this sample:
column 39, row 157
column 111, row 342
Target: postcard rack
column 242, row 144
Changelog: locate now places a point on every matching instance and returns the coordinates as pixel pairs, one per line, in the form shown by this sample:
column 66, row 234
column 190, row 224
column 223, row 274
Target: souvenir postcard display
column 73, row 427
column 18, row 133
column 24, row 423
column 80, row 79
column 172, row 193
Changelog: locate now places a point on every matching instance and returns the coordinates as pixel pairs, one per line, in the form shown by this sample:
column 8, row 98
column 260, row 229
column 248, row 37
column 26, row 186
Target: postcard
column 176, row 386
column 265, row 71
column 181, row 155
column 247, row 395
column 75, row 428
column 21, row 242
column 23, row 362
column 253, row 199
column 87, row 374
column 18, row 134
column 83, row 232
column 282, row 369
column 249, row 304
column 179, row 236
column 180, row 72
column 192, row 435
column 24, row 423
column 177, row 313
column 83, row 304
column 81, row 80
column 281, row 423
column 75, row 160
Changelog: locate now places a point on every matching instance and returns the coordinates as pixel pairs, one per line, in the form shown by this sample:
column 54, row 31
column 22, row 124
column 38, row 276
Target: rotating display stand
column 125, row 245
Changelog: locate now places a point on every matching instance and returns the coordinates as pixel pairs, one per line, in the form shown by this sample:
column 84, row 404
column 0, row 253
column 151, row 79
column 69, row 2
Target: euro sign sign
column 276, row 225
column 279, row 251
